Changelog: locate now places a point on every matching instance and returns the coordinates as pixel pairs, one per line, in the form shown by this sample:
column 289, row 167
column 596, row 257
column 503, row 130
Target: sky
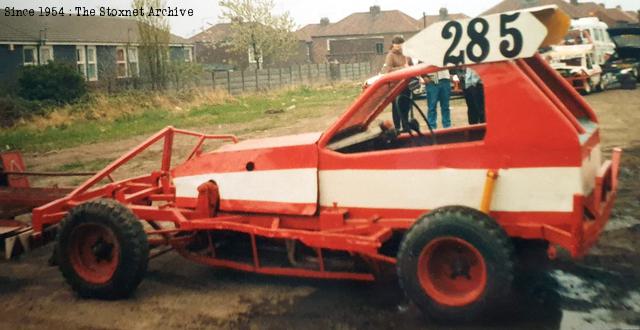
column 207, row 12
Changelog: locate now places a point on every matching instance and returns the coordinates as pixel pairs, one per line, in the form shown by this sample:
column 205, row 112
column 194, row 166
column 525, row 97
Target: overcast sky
column 303, row 11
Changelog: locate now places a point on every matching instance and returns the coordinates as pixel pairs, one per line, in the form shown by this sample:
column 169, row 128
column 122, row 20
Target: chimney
column 444, row 14
column 374, row 10
column 575, row 2
column 324, row 21
column 618, row 7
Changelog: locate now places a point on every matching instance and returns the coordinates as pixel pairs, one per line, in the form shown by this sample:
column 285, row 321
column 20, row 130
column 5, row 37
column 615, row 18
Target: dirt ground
column 600, row 292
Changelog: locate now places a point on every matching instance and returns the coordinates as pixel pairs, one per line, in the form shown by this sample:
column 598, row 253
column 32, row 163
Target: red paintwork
column 12, row 162
column 533, row 120
column 452, row 272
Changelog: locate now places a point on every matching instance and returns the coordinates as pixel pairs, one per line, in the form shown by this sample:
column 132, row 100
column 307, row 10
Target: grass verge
column 131, row 115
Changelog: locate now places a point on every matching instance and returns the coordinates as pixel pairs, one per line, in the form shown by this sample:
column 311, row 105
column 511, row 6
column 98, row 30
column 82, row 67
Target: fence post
column 242, row 75
column 280, row 74
column 229, row 81
column 291, row 75
column 268, row 78
column 213, row 80
column 300, row 73
column 257, row 89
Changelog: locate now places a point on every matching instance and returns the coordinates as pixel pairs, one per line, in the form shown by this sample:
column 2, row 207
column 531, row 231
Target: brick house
column 366, row 36
column 305, row 35
column 100, row 48
column 362, row 37
column 212, row 48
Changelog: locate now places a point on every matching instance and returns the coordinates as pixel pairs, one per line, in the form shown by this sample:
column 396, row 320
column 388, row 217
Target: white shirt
column 437, row 76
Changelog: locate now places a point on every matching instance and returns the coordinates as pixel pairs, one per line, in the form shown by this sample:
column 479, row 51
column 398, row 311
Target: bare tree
column 154, row 40
column 256, row 30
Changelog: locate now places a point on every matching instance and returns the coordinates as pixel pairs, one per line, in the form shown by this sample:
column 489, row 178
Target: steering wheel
column 413, row 124
column 389, row 132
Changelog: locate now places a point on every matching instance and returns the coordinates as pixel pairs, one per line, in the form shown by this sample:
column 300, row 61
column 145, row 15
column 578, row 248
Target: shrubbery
column 57, row 82
column 13, row 109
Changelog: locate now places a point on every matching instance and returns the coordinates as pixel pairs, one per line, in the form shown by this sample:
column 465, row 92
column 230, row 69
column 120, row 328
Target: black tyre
column 456, row 264
column 102, row 250
column 600, row 85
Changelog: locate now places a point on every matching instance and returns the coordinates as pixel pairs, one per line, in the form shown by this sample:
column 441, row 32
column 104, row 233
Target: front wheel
column 102, row 250
column 456, row 264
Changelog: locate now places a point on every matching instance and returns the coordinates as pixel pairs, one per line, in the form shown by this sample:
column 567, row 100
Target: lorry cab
column 597, row 35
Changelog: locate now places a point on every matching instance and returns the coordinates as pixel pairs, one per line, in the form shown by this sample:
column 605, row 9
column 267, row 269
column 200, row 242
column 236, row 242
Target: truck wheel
column 102, row 250
column 456, row 264
column 600, row 86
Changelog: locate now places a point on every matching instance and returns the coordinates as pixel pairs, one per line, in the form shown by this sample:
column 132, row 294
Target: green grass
column 92, row 165
column 244, row 109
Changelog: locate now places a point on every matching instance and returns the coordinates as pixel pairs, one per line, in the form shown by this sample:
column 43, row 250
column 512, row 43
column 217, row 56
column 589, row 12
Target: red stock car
column 442, row 207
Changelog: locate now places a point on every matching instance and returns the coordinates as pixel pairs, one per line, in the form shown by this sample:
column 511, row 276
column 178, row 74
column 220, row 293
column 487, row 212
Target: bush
column 13, row 109
column 57, row 82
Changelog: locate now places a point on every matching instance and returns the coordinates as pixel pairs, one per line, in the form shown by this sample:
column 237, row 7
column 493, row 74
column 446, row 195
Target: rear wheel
column 102, row 250
column 456, row 264
column 600, row 85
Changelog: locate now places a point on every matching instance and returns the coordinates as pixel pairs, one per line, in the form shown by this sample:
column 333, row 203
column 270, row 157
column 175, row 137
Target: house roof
column 590, row 9
column 620, row 16
column 216, row 33
column 72, row 29
column 510, row 5
column 610, row 16
column 367, row 23
column 310, row 30
column 430, row 19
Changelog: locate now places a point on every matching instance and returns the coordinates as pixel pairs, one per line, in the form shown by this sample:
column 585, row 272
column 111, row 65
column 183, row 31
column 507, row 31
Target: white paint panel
column 534, row 189
column 284, row 186
column 590, row 167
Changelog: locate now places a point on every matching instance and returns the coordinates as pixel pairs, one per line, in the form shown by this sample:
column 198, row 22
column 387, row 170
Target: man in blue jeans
column 439, row 91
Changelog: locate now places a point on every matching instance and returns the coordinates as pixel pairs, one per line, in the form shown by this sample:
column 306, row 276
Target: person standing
column 474, row 96
column 439, row 91
column 395, row 61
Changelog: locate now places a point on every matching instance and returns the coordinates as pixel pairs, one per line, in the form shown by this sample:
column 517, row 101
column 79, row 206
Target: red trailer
column 441, row 208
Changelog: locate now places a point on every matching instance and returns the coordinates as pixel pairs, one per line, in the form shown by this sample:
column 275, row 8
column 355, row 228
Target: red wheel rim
column 452, row 271
column 94, row 253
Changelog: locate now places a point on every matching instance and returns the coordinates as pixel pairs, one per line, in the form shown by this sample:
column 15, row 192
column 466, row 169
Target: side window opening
column 407, row 122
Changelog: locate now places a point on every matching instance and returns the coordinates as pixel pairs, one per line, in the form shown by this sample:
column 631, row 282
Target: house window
column 81, row 60
column 29, row 56
column 252, row 58
column 121, row 62
column 188, row 55
column 380, row 48
column 46, row 54
column 134, row 68
column 92, row 64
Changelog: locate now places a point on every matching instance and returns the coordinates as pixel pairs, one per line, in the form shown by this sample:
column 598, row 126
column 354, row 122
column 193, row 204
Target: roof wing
column 492, row 38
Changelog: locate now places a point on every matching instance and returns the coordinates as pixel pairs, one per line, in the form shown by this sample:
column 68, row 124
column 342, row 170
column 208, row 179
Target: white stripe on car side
column 281, row 186
column 523, row 189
